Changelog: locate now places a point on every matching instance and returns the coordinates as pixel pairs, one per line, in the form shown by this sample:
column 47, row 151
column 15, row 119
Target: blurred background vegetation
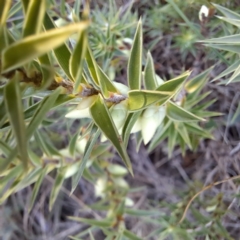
column 166, row 174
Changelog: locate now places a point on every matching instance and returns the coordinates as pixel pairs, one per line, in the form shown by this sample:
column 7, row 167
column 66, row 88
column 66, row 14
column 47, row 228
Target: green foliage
column 227, row 43
column 44, row 66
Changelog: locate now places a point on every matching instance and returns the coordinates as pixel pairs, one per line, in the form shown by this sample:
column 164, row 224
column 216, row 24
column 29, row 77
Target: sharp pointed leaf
column 103, row 120
column 135, row 60
column 177, row 113
column 34, row 17
column 37, row 187
column 149, row 74
column 77, row 59
column 226, row 47
column 140, row 99
column 198, row 81
column 62, row 53
column 95, row 132
column 173, row 85
column 128, row 125
column 56, row 187
column 227, row 12
column 45, row 105
column 13, row 103
column 36, row 45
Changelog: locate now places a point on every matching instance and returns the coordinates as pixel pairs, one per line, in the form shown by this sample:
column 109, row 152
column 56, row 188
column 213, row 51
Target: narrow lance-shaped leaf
column 130, row 235
column 37, row 187
column 135, row 60
column 77, row 58
column 174, row 84
column 103, row 120
column 149, row 74
column 231, row 21
column 177, row 113
column 73, row 141
column 227, row 12
column 14, row 108
column 25, row 5
column 95, row 132
column 56, row 187
column 34, row 17
column 226, row 47
column 47, row 71
column 45, row 105
column 62, row 53
column 92, row 66
column 232, row 39
column 4, row 8
column 235, row 75
column 227, row 71
column 128, row 125
column 140, row 99
column 197, row 82
column 183, row 131
column 106, row 85
column 37, row 45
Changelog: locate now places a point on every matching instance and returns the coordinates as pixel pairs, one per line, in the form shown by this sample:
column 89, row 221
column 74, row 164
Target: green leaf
column 172, row 139
column 231, row 21
column 140, row 99
column 73, row 142
column 95, row 132
column 130, row 235
column 103, row 223
column 149, row 74
column 194, row 128
column 34, row 17
column 61, row 53
column 183, row 132
column 177, row 113
column 4, row 9
column 77, row 59
column 103, row 120
column 174, row 84
column 47, row 71
column 135, row 60
column 10, row 175
column 43, row 108
column 44, row 143
column 235, row 75
column 3, row 113
column 27, row 178
column 92, row 66
column 226, row 47
column 4, row 148
column 232, row 39
column 37, row 187
column 13, row 101
column 160, row 136
column 227, row 71
column 128, row 125
column 37, row 45
column 107, row 86
column 227, row 12
column 57, row 186
column 25, row 5
column 198, row 81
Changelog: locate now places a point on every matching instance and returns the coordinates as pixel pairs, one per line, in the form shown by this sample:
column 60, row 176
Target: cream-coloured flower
column 204, row 11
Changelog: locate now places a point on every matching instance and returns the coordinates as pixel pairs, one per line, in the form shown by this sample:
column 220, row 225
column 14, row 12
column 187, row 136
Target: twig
column 204, row 189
